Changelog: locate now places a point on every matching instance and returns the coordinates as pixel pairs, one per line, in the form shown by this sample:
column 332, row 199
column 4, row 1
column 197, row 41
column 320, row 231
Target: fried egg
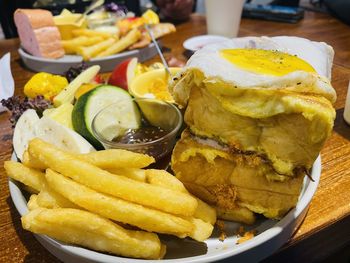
column 289, row 63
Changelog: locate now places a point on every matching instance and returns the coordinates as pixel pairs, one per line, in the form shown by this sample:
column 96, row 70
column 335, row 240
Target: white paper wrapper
column 7, row 84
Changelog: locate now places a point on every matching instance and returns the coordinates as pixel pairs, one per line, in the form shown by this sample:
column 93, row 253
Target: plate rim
column 78, row 59
column 187, row 43
column 107, row 64
column 309, row 189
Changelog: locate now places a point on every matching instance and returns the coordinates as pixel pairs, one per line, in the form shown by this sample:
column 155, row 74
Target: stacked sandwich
column 258, row 112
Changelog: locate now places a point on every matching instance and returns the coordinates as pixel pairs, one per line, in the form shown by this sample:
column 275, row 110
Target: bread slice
column 231, row 181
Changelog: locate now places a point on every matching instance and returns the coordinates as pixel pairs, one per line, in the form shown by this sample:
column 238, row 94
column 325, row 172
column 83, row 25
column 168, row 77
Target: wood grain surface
column 326, row 226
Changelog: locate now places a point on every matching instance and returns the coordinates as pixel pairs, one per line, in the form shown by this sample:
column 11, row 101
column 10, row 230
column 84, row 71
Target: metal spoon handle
column 158, row 49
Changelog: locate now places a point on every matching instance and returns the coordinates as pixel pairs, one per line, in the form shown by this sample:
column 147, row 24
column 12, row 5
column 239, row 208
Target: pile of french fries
column 94, row 44
column 92, row 200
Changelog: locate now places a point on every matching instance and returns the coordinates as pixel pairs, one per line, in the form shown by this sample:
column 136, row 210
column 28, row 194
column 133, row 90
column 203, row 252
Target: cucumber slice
column 124, row 115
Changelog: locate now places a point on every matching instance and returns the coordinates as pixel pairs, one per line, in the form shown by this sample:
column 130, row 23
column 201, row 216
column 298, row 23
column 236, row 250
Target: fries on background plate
column 99, row 34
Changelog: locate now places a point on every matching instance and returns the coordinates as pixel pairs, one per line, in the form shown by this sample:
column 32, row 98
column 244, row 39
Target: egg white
column 318, row 54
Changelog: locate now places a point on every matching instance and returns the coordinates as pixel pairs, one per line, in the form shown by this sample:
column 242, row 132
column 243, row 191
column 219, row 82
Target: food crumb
column 240, row 231
column 244, row 235
column 221, row 226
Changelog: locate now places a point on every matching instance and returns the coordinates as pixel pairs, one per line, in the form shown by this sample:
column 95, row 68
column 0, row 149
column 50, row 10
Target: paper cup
column 223, row 17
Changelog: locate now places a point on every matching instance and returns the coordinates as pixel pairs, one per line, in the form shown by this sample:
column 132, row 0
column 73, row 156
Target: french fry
column 144, row 41
column 157, row 197
column 92, row 33
column 202, row 230
column 89, row 230
column 162, row 29
column 49, row 198
column 132, row 173
column 31, row 162
column 162, row 178
column 90, row 52
column 117, row 158
column 124, row 158
column 162, row 251
column 28, row 176
column 158, row 30
column 205, row 212
column 238, row 214
column 70, row 46
column 118, row 209
column 33, row 202
column 113, row 160
column 131, row 37
column 36, row 182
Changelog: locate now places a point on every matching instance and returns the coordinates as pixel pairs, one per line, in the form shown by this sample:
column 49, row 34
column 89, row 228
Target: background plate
column 195, row 43
column 271, row 236
column 59, row 66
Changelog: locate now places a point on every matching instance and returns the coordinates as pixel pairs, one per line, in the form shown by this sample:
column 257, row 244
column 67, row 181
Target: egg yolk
column 159, row 88
column 267, row 62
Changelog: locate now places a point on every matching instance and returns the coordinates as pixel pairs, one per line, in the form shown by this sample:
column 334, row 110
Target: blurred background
column 258, row 9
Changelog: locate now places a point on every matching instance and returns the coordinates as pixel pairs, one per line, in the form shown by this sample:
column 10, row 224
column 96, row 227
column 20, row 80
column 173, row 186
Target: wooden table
column 326, row 227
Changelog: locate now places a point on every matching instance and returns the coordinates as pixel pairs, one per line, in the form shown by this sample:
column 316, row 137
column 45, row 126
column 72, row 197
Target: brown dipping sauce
column 141, row 135
column 146, row 133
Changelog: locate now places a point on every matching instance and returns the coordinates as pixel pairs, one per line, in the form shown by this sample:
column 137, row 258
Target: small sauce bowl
column 160, row 123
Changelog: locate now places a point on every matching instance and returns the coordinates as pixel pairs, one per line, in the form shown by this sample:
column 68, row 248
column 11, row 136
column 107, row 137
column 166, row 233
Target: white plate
column 271, row 236
column 59, row 66
column 197, row 42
